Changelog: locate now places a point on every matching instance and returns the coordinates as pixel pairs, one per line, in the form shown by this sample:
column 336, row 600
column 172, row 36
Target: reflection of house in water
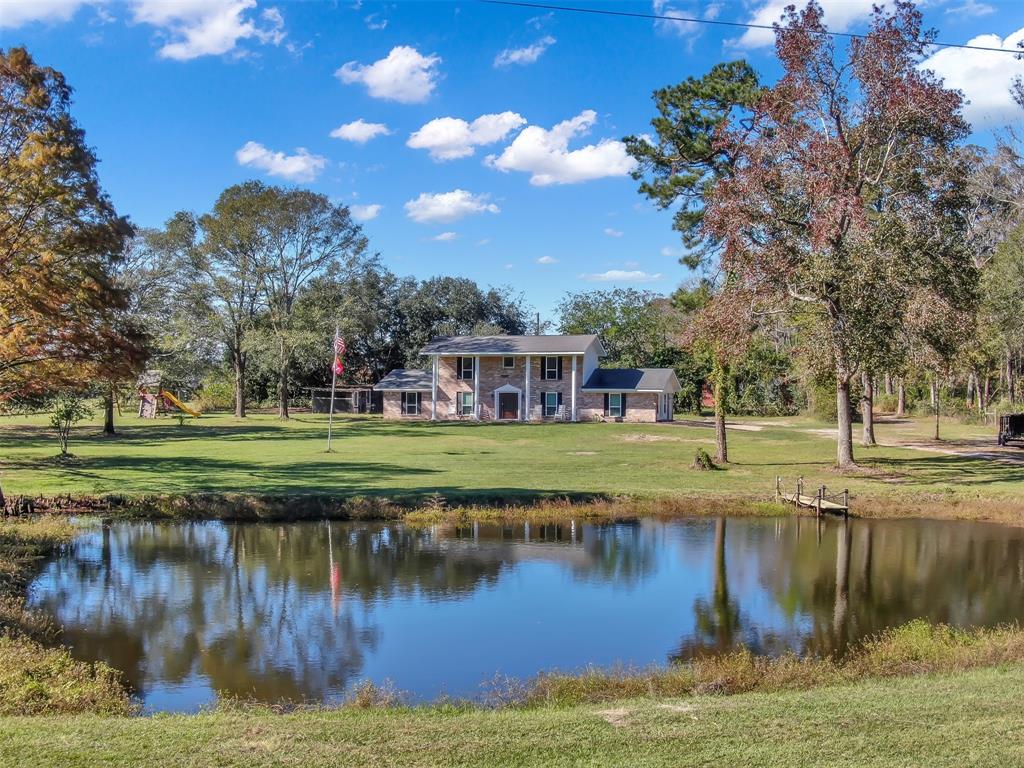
column 623, row 550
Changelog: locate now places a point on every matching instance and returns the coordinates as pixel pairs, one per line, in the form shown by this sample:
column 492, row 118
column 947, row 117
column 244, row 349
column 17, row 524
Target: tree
column 682, row 163
column 722, row 329
column 810, row 211
column 61, row 316
column 1003, row 304
column 455, row 306
column 306, row 235
column 225, row 250
column 68, row 408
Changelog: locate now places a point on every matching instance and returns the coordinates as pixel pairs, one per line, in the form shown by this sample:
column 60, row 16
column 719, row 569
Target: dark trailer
column 1011, row 427
column 358, row 399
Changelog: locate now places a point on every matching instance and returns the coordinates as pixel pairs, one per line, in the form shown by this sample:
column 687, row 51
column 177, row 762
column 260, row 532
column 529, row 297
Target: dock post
column 799, row 489
column 846, row 502
column 778, row 490
column 821, row 493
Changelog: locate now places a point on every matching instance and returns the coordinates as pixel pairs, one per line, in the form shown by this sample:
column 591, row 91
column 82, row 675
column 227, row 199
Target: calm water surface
column 307, row 610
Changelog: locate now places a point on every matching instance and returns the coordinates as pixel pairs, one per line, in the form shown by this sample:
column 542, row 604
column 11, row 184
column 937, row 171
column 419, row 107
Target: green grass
column 971, row 718
column 261, row 455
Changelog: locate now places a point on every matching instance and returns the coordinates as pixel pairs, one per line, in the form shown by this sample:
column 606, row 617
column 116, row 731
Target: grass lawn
column 372, row 457
column 971, row 718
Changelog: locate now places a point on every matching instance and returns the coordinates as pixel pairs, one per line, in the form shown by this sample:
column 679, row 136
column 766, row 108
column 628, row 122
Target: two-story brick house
column 526, row 378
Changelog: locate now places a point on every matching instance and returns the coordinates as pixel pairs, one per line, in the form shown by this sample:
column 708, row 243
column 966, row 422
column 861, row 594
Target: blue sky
column 181, row 99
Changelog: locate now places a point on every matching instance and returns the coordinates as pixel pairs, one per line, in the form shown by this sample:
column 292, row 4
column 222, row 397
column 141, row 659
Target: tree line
column 850, row 246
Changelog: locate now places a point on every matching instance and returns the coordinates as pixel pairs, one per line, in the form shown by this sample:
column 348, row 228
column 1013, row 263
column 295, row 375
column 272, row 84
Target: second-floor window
column 508, row 362
column 551, row 368
column 465, row 367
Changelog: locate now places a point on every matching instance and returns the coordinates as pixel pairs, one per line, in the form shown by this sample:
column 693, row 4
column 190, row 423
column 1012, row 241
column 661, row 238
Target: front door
column 508, row 406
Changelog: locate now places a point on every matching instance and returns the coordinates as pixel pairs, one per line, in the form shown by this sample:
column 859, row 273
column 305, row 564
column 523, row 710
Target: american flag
column 339, row 350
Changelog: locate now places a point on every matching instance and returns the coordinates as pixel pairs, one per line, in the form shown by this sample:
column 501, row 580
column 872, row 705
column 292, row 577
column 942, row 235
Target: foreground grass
column 971, row 718
column 475, row 462
column 35, row 676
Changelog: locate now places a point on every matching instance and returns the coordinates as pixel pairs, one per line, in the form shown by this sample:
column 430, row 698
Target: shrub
column 702, row 461
column 217, row 392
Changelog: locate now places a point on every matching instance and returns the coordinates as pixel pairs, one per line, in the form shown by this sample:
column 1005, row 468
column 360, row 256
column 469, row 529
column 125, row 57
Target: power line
column 715, row 22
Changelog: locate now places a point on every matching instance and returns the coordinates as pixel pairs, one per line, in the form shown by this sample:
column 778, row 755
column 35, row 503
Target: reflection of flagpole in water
column 335, row 571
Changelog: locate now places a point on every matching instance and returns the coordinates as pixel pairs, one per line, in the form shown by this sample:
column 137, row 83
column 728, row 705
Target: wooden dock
column 820, row 501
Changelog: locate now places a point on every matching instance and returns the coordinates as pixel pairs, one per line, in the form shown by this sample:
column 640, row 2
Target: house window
column 550, row 403
column 410, row 403
column 465, row 403
column 508, row 362
column 465, row 367
column 551, row 368
column 615, row 405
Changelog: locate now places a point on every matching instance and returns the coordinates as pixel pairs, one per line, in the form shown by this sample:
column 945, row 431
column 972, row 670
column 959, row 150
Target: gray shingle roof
column 405, row 380
column 632, row 380
column 511, row 345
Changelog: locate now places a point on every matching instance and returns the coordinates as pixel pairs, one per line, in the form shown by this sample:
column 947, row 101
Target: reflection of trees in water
column 258, row 610
column 719, row 626
column 622, row 552
column 855, row 578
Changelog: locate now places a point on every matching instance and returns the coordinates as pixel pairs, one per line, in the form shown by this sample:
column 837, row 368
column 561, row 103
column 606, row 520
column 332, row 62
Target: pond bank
column 427, row 508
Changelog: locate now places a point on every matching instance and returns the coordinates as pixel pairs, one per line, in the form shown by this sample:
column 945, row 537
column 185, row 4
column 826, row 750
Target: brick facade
column 640, row 406
column 392, row 407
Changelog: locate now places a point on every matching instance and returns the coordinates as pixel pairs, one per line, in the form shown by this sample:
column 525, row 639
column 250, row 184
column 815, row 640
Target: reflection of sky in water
column 307, row 610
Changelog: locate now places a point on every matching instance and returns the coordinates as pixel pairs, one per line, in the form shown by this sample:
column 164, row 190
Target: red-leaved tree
column 844, row 200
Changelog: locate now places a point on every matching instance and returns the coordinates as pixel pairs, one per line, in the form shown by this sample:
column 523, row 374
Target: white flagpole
column 334, row 381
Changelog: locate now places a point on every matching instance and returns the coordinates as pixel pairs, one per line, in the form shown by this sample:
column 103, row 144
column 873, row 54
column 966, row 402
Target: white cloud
column 623, row 276
column 197, row 28
column 983, row 76
column 374, row 22
column 302, row 166
column 668, row 250
column 510, row 266
column 445, row 237
column 613, row 232
column 839, row 16
column 547, row 260
column 448, row 138
column 360, row 131
column 365, row 212
column 442, row 207
column 971, row 8
column 524, row 56
column 676, row 28
column 546, row 155
column 404, row 75
column 484, row 241
column 15, row 13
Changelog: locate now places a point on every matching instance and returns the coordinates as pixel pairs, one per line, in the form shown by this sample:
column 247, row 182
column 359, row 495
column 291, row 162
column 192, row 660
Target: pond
column 304, row 611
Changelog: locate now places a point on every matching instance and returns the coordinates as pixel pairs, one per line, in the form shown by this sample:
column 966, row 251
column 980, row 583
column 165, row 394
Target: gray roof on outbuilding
column 405, row 380
column 512, row 345
column 632, row 380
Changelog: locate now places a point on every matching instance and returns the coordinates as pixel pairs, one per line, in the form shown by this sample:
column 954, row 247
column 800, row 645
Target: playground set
column 155, row 401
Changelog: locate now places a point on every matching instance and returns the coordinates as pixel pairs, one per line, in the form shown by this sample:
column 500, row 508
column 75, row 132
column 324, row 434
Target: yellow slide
column 169, row 397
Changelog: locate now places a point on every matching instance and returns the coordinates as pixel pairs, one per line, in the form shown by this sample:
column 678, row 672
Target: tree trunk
column 845, row 424
column 888, row 384
column 721, row 374
column 972, row 387
column 239, row 361
column 282, row 383
column 867, row 407
column 901, row 400
column 108, row 412
column 935, row 402
column 1011, row 387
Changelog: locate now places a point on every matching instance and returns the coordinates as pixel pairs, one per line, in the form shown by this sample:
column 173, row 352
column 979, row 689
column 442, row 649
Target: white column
column 433, row 392
column 573, row 398
column 476, row 386
column 529, row 402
